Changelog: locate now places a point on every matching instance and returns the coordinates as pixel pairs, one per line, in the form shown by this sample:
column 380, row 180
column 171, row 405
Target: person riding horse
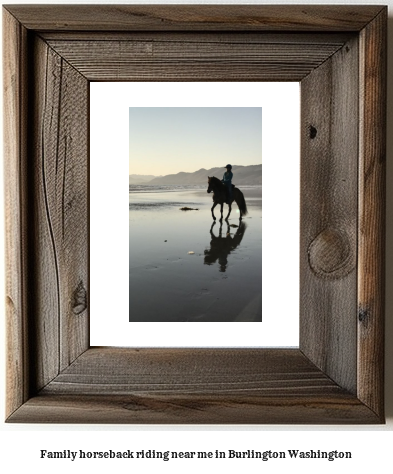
column 227, row 180
column 220, row 195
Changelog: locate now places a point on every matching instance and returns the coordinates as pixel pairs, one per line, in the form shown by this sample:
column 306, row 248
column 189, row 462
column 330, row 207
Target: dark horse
column 220, row 197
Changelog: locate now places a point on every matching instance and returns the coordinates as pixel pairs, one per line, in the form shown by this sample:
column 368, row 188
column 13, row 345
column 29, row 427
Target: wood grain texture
column 190, row 371
column 189, row 60
column 329, row 169
column 327, row 408
column 14, row 74
column 201, row 37
column 371, row 287
column 60, row 183
column 195, row 17
column 58, row 220
column 201, row 386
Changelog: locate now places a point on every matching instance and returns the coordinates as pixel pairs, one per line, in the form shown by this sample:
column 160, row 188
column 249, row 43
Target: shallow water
column 221, row 280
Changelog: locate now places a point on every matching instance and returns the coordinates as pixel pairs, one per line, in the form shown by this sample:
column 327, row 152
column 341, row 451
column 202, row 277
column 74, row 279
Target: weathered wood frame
column 338, row 53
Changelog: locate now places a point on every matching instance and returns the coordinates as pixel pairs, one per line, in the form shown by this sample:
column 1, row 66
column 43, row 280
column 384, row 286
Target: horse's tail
column 240, row 201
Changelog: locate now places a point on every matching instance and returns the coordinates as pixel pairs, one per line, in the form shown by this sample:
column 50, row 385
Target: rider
column 227, row 180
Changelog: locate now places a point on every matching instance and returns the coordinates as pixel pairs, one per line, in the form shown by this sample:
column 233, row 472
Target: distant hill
column 251, row 175
column 140, row 178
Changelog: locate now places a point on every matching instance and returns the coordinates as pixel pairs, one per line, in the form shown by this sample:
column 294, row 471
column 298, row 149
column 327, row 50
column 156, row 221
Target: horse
column 220, row 197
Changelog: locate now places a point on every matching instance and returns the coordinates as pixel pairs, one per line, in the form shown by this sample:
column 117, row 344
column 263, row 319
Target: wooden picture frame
column 338, row 54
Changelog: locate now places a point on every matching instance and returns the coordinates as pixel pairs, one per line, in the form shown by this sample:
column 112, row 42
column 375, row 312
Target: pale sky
column 167, row 140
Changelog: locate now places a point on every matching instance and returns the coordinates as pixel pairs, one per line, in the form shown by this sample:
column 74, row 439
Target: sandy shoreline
column 220, row 280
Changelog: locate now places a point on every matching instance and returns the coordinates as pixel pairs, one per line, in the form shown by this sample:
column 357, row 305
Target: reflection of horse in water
column 220, row 197
column 221, row 247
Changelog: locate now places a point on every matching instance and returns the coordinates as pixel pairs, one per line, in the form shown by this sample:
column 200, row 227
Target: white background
column 109, row 213
column 371, row 445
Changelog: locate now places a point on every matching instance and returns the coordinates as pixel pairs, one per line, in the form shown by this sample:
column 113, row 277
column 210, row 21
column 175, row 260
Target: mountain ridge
column 140, row 178
column 251, row 175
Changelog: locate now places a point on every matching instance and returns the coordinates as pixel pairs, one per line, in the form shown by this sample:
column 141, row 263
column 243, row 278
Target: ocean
column 186, row 267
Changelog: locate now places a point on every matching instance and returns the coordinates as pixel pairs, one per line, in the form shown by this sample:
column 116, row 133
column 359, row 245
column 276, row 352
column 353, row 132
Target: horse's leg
column 214, row 205
column 222, row 205
column 229, row 211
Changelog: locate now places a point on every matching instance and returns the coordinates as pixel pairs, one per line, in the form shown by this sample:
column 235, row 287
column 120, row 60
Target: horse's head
column 209, row 188
column 213, row 182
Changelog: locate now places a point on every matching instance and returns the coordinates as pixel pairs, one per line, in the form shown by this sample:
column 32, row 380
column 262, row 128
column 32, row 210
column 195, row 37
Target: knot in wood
column 363, row 316
column 80, row 299
column 313, row 132
column 330, row 254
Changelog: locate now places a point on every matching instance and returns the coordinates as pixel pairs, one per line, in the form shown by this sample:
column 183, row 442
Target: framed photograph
column 193, row 268
column 53, row 55
column 192, row 280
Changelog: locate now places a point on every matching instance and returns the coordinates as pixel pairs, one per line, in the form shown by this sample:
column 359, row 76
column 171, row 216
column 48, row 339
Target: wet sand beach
column 183, row 266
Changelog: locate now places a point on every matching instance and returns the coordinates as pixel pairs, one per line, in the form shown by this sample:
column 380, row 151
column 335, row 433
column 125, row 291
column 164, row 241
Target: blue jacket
column 227, row 178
